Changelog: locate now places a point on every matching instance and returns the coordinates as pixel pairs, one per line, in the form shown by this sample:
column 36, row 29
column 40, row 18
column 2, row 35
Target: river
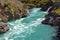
column 30, row 28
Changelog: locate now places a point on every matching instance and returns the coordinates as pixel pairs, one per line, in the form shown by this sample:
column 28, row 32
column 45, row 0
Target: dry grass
column 12, row 9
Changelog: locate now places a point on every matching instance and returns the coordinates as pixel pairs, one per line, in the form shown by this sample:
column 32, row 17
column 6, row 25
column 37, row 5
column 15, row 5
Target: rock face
column 47, row 5
column 11, row 10
column 44, row 4
column 53, row 18
column 55, row 6
column 3, row 27
column 34, row 3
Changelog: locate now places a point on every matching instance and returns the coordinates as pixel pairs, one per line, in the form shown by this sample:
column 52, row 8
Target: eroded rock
column 3, row 28
column 47, row 5
column 11, row 10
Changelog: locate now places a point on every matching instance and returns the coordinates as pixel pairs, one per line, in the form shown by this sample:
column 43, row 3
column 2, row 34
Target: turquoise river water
column 30, row 28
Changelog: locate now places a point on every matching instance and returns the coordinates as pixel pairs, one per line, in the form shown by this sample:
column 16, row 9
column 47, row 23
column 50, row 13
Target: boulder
column 3, row 28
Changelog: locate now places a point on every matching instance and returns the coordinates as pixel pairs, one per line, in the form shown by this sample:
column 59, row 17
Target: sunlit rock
column 11, row 10
column 3, row 27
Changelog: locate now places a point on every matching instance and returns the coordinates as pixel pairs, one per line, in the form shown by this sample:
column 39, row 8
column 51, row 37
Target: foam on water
column 23, row 29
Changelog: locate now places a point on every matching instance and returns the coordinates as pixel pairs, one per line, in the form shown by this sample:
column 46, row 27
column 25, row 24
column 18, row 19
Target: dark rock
column 58, row 35
column 46, row 21
column 53, row 19
column 57, row 21
column 11, row 10
column 47, row 5
column 54, row 6
column 55, row 38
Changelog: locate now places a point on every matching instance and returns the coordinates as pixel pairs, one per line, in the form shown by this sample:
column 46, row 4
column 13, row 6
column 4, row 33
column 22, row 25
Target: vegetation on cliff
column 36, row 3
column 11, row 10
column 57, row 11
column 44, row 4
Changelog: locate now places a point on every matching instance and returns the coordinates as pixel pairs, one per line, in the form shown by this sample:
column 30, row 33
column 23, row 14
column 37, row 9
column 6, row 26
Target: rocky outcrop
column 11, row 10
column 3, row 27
column 53, row 18
column 44, row 4
column 47, row 5
column 34, row 3
column 55, row 6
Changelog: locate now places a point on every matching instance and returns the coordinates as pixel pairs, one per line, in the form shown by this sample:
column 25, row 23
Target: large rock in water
column 11, row 10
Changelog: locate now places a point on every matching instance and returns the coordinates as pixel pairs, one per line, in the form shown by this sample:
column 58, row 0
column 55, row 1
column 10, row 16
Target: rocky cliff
column 53, row 18
column 38, row 3
column 11, row 10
